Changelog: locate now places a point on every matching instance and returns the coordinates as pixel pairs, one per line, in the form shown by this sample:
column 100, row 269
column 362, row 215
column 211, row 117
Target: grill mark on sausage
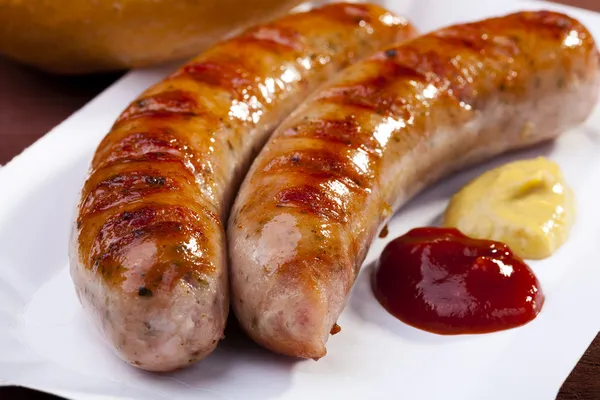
column 91, row 225
column 169, row 226
column 370, row 94
column 436, row 69
column 155, row 157
column 555, row 25
column 172, row 261
column 138, row 143
column 152, row 145
column 412, row 64
column 326, row 198
column 476, row 50
column 163, row 104
column 346, row 132
column 231, row 75
column 126, row 222
column 314, row 266
column 127, row 187
column 320, row 163
column 468, row 39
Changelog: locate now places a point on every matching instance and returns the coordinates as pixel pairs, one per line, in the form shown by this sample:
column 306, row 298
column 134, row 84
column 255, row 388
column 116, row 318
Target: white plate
column 47, row 344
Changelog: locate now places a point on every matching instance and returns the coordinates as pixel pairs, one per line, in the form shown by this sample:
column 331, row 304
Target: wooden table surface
column 31, row 103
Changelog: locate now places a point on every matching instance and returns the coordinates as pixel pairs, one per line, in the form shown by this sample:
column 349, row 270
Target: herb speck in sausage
column 155, row 180
column 203, row 283
column 391, row 53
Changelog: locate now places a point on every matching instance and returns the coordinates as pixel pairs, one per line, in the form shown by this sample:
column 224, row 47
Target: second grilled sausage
column 380, row 132
column 148, row 248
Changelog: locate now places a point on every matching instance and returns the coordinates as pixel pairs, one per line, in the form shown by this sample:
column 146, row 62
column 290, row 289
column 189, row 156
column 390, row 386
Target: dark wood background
column 31, row 103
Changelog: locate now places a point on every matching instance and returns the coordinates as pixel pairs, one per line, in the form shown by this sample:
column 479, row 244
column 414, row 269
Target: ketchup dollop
column 439, row 280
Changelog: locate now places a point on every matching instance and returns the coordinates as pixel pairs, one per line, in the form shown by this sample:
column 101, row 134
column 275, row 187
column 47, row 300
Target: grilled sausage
column 148, row 248
column 376, row 135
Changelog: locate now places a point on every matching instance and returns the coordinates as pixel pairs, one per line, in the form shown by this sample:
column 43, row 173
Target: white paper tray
column 47, row 344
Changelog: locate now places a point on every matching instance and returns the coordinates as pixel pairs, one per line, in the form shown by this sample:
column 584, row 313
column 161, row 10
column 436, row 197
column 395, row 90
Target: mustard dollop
column 525, row 204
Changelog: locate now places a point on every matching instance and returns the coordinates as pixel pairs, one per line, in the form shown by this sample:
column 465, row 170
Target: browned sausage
column 375, row 136
column 148, row 249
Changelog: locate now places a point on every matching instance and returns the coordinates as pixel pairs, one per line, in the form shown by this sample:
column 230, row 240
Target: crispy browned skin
column 375, row 136
column 148, row 250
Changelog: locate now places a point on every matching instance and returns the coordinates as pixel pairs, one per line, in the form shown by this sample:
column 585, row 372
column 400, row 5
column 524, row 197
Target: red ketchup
column 442, row 281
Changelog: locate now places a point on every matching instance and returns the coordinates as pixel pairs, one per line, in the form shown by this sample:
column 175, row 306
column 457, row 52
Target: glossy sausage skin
column 376, row 135
column 148, row 247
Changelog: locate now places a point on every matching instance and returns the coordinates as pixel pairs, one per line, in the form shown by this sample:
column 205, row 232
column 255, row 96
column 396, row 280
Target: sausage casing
column 148, row 247
column 376, row 135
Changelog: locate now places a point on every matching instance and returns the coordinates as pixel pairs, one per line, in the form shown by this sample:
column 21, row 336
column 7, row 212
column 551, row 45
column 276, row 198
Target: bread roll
column 83, row 36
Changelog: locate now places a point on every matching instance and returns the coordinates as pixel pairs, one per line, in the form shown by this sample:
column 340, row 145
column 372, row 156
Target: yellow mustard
column 525, row 204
